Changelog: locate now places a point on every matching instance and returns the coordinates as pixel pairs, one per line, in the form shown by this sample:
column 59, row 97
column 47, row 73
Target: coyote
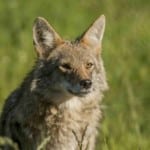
column 59, row 99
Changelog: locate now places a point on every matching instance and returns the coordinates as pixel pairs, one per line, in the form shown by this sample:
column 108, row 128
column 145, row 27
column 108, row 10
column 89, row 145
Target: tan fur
column 60, row 98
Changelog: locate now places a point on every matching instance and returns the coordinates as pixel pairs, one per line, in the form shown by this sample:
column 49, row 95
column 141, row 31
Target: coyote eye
column 65, row 67
column 89, row 65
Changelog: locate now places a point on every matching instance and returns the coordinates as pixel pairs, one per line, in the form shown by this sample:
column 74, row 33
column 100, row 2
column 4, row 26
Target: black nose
column 85, row 83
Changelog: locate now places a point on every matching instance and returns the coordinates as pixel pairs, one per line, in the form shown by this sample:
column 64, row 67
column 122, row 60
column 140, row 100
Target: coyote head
column 73, row 68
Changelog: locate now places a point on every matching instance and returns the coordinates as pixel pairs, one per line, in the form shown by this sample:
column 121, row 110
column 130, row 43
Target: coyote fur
column 59, row 99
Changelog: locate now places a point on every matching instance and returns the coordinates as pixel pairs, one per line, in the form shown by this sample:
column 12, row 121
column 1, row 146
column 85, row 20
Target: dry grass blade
column 43, row 143
column 5, row 141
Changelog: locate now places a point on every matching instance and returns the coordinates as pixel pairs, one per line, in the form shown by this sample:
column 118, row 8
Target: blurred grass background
column 126, row 52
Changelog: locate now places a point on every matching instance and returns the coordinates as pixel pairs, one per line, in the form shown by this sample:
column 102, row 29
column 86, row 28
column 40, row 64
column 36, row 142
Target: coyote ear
column 94, row 35
column 44, row 37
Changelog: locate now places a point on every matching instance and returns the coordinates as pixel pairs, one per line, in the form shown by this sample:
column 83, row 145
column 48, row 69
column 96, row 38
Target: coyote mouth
column 80, row 93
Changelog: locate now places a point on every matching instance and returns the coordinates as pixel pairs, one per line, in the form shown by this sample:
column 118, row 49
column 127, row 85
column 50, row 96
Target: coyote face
column 72, row 68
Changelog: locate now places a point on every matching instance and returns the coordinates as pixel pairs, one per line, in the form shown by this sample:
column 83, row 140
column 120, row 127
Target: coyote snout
column 81, row 87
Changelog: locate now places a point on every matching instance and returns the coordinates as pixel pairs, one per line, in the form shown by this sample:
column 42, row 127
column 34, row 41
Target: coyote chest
column 69, row 127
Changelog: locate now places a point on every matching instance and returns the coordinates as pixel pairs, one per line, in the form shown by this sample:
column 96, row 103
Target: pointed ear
column 94, row 35
column 44, row 37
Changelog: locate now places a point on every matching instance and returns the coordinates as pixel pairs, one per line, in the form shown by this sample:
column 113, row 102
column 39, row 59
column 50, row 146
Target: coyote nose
column 85, row 83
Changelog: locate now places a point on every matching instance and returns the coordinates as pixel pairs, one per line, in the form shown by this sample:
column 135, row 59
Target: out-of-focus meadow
column 126, row 53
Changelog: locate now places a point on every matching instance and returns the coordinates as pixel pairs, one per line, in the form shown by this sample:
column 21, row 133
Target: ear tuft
column 44, row 36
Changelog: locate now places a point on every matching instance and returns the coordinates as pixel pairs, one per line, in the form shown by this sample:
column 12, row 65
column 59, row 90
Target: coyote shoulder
column 59, row 99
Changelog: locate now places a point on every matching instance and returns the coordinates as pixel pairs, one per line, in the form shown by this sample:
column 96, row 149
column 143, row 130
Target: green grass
column 126, row 52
